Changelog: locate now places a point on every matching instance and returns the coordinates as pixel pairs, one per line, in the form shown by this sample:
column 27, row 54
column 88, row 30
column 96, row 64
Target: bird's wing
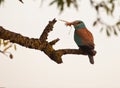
column 86, row 36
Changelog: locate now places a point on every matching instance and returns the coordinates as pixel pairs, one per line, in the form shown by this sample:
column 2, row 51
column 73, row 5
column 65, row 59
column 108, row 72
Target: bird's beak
column 69, row 23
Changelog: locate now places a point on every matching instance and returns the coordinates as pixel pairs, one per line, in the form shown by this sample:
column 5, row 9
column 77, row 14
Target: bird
column 83, row 38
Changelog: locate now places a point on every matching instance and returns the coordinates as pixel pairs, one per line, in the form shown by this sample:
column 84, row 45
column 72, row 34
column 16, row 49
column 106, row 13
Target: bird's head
column 74, row 23
column 77, row 24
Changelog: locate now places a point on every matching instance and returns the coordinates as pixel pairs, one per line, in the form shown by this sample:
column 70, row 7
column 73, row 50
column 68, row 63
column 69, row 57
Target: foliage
column 109, row 7
column 108, row 28
column 1, row 1
column 61, row 4
column 5, row 45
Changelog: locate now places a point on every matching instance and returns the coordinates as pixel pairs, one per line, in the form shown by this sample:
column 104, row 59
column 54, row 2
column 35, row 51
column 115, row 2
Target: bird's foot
column 94, row 52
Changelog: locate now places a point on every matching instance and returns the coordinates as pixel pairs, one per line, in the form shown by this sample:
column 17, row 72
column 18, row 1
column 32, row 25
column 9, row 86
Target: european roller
column 83, row 38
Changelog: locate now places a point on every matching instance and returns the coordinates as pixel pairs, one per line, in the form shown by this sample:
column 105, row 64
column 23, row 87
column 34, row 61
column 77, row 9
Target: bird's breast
column 77, row 39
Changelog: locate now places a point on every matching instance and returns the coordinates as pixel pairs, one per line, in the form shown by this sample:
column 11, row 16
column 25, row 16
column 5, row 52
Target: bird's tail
column 91, row 59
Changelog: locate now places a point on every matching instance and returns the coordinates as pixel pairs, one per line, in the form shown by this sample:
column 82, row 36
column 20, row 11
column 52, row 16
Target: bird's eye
column 77, row 23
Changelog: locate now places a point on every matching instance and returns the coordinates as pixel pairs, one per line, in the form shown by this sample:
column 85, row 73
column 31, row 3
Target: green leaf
column 107, row 32
column 68, row 2
column 75, row 4
column 5, row 43
column 94, row 23
column 15, row 48
column 97, row 7
column 5, row 49
column 60, row 4
column 11, row 56
column 54, row 1
column 115, row 32
column 112, row 8
column 118, row 23
column 1, row 1
column 107, row 9
column 111, row 1
column 0, row 42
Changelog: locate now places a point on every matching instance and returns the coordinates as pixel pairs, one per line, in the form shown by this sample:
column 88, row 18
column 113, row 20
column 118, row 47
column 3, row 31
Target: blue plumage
column 84, row 39
column 79, row 26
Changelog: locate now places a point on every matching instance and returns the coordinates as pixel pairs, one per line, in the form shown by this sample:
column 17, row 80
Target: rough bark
column 40, row 44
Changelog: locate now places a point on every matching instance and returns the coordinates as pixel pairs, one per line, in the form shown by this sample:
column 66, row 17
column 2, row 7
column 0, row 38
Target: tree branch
column 47, row 29
column 53, row 42
column 21, row 40
column 39, row 44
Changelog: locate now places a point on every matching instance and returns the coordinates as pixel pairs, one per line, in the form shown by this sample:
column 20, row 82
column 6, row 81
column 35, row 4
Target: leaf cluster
column 1, row 1
column 62, row 3
column 5, row 45
column 108, row 28
column 109, row 7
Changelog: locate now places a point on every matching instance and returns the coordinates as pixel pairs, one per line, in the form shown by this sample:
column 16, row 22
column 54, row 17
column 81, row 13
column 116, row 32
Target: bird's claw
column 94, row 52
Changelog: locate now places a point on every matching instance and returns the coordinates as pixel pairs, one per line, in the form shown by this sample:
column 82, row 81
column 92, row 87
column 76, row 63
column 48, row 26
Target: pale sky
column 33, row 69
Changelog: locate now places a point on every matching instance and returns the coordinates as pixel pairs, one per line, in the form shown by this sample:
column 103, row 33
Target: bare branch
column 70, row 51
column 53, row 42
column 21, row 40
column 47, row 29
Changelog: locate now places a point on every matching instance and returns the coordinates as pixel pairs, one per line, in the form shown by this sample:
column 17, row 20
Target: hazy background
column 33, row 69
